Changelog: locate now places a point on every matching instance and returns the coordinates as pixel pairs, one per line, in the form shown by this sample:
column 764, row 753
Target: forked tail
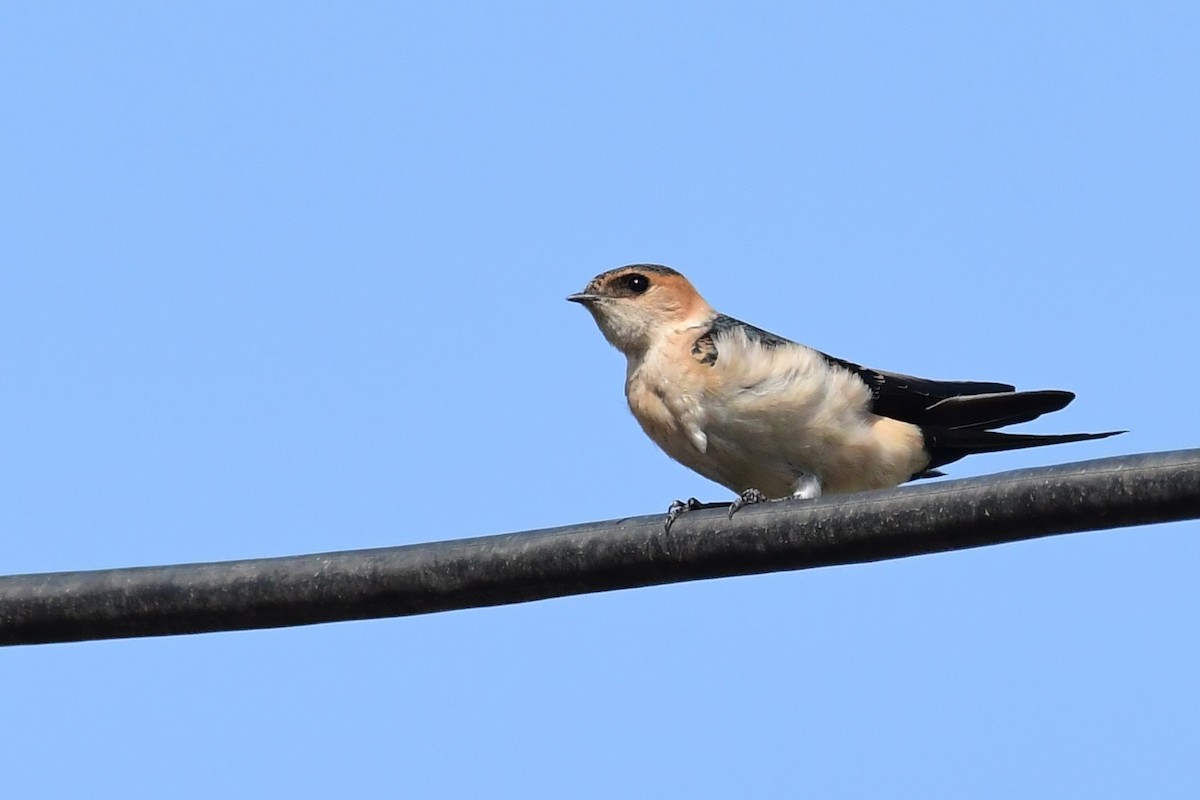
column 961, row 426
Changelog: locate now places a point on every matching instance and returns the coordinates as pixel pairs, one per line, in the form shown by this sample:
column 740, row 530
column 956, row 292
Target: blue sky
column 286, row 278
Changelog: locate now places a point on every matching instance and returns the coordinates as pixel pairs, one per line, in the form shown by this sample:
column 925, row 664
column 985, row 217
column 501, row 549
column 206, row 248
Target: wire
column 600, row 556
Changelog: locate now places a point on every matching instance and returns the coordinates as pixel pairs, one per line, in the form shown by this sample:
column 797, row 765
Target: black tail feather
column 947, row 445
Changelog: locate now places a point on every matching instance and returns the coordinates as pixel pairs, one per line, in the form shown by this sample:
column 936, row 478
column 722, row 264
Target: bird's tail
column 961, row 426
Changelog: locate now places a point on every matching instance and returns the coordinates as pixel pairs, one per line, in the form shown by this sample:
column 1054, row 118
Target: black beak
column 583, row 297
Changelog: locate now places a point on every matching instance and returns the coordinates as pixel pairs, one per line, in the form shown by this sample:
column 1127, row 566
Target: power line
column 599, row 556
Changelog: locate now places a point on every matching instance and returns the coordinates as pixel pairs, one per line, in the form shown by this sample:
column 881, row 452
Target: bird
column 769, row 418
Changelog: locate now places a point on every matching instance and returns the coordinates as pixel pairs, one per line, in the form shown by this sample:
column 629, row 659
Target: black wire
column 600, row 556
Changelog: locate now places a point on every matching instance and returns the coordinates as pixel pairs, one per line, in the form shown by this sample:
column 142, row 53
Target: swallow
column 769, row 418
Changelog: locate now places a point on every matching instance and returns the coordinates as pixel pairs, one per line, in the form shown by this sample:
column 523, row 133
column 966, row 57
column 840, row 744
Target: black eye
column 636, row 282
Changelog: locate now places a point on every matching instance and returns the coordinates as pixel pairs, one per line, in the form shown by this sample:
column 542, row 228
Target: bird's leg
column 747, row 498
column 678, row 508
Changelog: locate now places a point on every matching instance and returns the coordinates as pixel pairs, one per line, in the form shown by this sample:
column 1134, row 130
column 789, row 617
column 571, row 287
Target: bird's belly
column 856, row 454
column 753, row 456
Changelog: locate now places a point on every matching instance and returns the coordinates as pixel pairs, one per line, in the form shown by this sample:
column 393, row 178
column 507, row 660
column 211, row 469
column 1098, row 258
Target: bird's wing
column 956, row 418
column 903, row 397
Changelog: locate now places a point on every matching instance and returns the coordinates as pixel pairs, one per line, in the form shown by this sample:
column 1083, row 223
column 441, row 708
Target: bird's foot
column 677, row 509
column 680, row 507
column 746, row 498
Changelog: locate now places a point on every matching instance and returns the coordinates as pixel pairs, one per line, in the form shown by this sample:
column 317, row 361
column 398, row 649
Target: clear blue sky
column 286, row 278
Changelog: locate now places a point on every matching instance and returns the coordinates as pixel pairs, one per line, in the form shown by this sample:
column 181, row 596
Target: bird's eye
column 636, row 282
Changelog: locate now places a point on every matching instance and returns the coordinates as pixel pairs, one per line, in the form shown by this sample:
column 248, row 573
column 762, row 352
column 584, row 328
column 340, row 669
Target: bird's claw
column 746, row 498
column 680, row 507
column 677, row 509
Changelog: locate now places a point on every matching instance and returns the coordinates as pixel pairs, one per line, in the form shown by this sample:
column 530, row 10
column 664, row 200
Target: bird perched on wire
column 770, row 418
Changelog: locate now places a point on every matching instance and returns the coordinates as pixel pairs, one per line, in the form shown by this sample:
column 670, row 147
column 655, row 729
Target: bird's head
column 636, row 304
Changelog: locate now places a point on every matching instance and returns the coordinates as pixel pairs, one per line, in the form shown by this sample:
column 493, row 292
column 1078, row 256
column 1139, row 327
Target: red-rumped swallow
column 769, row 418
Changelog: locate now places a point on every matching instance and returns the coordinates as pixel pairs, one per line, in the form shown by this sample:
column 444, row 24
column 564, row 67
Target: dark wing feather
column 903, row 397
column 723, row 323
column 909, row 398
column 984, row 411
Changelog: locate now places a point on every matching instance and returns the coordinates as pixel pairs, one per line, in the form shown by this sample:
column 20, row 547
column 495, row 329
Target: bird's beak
column 583, row 297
